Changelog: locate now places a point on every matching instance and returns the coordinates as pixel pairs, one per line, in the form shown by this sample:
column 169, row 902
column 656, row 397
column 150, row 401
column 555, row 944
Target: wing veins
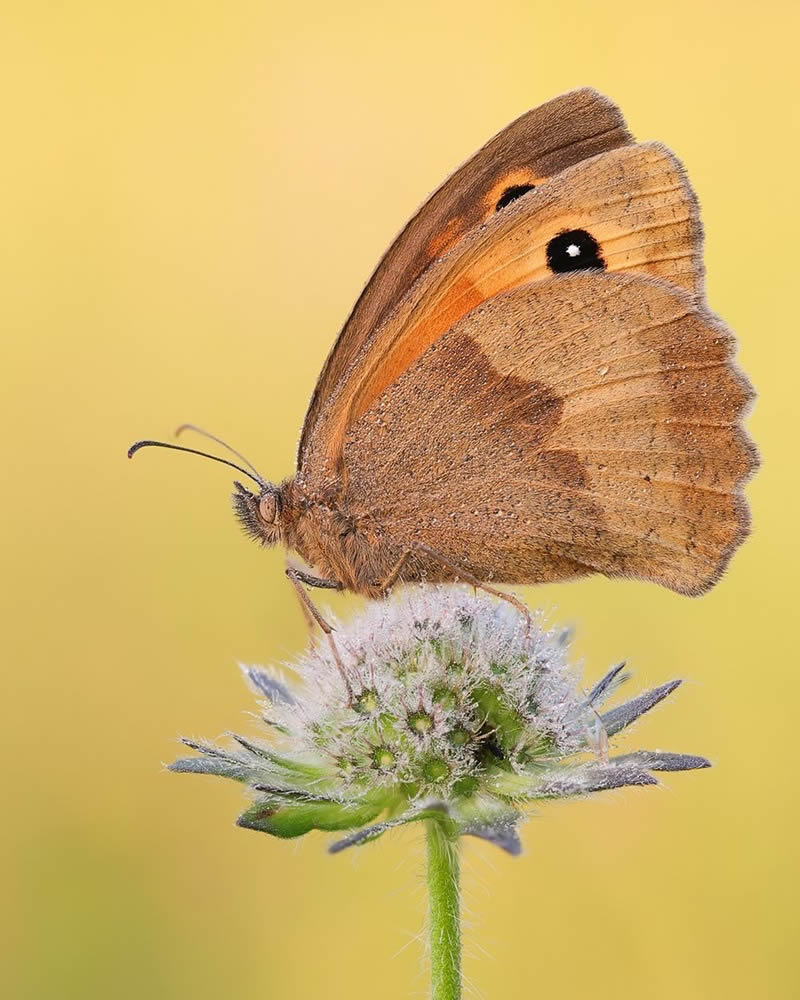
column 622, row 379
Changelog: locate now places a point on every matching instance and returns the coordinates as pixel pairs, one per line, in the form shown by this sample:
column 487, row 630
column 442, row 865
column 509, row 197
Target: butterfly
column 531, row 387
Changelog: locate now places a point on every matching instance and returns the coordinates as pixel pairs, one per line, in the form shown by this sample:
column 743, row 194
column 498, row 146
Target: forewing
column 539, row 145
column 587, row 423
column 634, row 203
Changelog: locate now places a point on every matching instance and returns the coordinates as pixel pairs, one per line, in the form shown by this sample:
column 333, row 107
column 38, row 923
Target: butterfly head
column 258, row 513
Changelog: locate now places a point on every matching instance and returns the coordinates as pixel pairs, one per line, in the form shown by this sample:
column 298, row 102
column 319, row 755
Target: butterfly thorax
column 339, row 546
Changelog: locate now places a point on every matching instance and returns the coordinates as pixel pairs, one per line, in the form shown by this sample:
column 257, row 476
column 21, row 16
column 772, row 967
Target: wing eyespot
column 574, row 250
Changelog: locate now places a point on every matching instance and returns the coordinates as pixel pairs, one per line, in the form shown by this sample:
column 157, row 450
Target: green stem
column 445, row 917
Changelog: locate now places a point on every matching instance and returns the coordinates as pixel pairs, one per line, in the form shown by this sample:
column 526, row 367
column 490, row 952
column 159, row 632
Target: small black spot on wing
column 512, row 193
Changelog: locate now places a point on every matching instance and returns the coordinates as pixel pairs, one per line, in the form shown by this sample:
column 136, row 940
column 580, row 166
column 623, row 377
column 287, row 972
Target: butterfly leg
column 302, row 600
column 297, row 578
column 391, row 578
column 467, row 577
column 314, row 581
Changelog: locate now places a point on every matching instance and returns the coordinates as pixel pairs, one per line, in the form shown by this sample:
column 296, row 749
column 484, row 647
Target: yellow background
column 192, row 196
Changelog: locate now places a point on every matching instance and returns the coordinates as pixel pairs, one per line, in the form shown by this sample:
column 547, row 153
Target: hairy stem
column 445, row 917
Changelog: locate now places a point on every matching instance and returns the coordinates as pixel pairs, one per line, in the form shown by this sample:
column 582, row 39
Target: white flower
column 452, row 707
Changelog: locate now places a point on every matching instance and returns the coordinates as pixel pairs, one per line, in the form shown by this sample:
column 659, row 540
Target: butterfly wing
column 539, row 145
column 590, row 422
column 633, row 205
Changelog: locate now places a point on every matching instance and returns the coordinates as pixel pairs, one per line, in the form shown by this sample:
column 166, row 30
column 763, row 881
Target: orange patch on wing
column 441, row 242
column 506, row 265
column 405, row 351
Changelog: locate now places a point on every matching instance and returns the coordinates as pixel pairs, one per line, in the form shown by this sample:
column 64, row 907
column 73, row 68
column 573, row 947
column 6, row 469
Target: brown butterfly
column 531, row 387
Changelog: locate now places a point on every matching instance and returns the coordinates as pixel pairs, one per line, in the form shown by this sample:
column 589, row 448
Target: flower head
column 442, row 705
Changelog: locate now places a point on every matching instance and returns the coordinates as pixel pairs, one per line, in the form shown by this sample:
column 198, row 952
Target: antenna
column 213, row 437
column 193, row 451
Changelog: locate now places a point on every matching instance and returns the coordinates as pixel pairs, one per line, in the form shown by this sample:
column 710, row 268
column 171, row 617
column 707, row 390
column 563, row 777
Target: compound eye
column 268, row 508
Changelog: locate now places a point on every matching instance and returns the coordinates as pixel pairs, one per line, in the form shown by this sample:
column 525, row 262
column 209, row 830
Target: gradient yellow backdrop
column 192, row 196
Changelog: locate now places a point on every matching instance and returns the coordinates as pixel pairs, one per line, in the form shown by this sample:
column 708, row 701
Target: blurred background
column 193, row 194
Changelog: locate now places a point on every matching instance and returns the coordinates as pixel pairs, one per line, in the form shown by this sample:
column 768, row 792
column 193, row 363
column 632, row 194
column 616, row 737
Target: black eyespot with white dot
column 512, row 193
column 575, row 250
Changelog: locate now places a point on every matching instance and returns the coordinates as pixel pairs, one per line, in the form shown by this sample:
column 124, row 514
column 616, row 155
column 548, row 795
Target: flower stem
column 445, row 916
